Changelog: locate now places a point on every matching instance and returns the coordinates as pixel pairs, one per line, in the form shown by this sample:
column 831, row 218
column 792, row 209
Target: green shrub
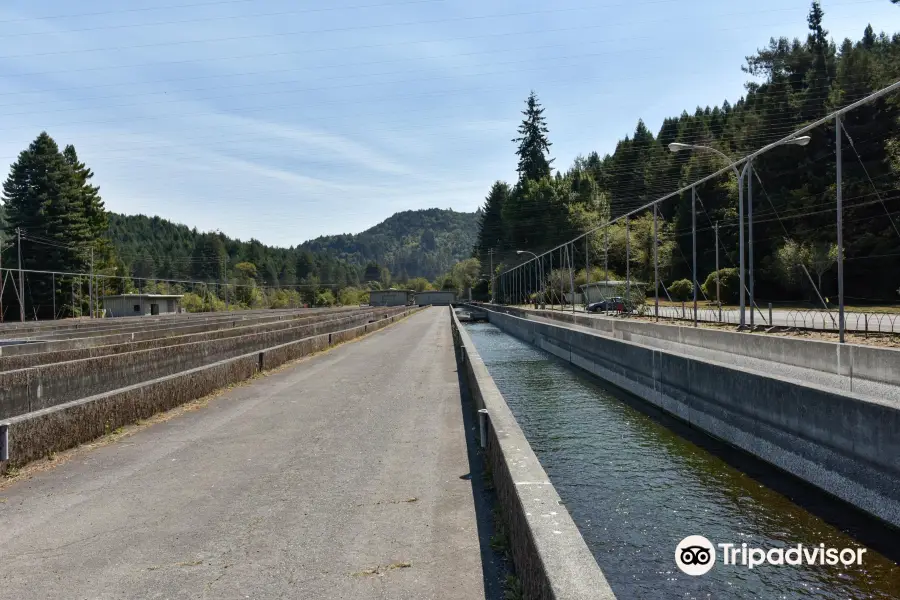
column 683, row 289
column 729, row 284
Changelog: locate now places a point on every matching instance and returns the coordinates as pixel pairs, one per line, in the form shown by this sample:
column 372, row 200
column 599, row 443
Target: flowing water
column 637, row 483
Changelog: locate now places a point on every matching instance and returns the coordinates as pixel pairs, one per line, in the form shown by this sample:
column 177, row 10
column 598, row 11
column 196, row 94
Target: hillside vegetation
column 792, row 83
column 413, row 243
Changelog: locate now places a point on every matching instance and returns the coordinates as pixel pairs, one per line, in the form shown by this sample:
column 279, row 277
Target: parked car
column 616, row 304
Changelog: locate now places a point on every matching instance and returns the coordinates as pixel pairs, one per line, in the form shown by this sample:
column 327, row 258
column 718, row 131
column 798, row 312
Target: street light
column 802, row 140
column 540, row 270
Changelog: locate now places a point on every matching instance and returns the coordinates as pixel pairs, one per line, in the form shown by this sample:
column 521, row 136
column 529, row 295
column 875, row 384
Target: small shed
column 136, row 305
column 436, row 298
column 390, row 297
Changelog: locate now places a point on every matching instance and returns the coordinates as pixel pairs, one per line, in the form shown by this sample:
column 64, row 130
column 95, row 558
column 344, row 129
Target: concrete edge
column 549, row 553
column 853, row 361
column 786, row 448
column 38, row 434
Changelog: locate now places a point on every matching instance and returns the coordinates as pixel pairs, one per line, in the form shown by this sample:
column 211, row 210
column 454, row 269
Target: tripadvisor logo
column 696, row 555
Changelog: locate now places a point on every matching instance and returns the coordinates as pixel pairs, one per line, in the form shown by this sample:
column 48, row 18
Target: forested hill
column 423, row 243
column 413, row 243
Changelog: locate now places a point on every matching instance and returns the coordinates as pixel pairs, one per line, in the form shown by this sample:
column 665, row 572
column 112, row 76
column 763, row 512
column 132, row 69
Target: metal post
column 840, row 225
column 571, row 274
column 750, row 236
column 491, row 254
column 655, row 264
column 606, row 262
column 718, row 297
column 743, row 305
column 587, row 270
column 627, row 264
column 53, row 284
column 2, row 277
column 550, row 254
column 694, row 246
column 21, row 278
column 91, row 285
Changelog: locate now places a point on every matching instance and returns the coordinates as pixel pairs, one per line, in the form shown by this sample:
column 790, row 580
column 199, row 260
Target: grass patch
column 512, row 588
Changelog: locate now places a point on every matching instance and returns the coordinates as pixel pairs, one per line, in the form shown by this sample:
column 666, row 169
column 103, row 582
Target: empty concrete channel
column 72, row 385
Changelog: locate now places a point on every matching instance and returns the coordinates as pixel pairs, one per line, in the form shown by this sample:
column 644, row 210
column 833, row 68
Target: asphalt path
column 344, row 476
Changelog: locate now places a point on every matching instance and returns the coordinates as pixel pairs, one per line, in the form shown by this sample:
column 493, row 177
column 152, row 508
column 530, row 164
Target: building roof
column 143, row 296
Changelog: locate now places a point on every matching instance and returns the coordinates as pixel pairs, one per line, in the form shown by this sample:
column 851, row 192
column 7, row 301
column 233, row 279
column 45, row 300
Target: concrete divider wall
column 846, row 445
column 550, row 556
column 115, row 335
column 35, row 435
column 24, row 361
column 854, row 361
column 35, row 388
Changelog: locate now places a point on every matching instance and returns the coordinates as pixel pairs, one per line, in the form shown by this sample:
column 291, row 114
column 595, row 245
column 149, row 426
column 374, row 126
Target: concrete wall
column 388, row 298
column 137, row 331
column 36, row 388
column 858, row 363
column 35, row 435
column 844, row 444
column 550, row 556
column 435, row 298
column 233, row 329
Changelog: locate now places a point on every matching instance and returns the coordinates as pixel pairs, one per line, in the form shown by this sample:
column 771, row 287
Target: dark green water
column 637, row 484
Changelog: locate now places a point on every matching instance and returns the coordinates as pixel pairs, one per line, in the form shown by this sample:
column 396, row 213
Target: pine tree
column 43, row 198
column 533, row 144
column 92, row 205
column 490, row 228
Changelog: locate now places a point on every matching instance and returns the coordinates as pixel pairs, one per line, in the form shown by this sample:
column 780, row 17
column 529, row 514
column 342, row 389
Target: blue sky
column 283, row 120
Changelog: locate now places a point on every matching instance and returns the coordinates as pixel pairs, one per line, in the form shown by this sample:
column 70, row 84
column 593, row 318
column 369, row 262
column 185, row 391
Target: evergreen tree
column 44, row 198
column 490, row 227
column 533, row 144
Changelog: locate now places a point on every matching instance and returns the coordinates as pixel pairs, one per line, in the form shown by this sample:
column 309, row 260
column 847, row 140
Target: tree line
column 52, row 211
column 794, row 82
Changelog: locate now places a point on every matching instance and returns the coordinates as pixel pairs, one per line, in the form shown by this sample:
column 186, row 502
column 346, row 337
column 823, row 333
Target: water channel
column 637, row 483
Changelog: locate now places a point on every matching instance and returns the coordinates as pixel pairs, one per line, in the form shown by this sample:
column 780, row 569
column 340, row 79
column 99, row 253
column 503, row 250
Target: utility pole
column 21, row 277
column 718, row 299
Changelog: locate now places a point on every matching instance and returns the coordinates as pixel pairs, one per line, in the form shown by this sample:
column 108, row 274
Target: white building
column 436, row 298
column 136, row 305
column 390, row 297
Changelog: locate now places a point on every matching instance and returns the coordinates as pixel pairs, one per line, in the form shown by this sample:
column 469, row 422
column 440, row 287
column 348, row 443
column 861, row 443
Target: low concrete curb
column 550, row 556
column 37, row 434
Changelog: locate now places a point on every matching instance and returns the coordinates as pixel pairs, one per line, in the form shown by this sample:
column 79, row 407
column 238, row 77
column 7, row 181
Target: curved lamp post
column 745, row 172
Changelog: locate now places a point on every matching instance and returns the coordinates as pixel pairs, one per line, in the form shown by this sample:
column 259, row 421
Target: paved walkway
column 341, row 477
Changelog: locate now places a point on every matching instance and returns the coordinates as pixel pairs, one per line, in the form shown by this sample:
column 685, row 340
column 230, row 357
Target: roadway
column 343, row 476
column 820, row 320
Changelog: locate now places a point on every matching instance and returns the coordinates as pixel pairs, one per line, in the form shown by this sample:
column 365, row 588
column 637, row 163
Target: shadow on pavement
column 494, row 566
